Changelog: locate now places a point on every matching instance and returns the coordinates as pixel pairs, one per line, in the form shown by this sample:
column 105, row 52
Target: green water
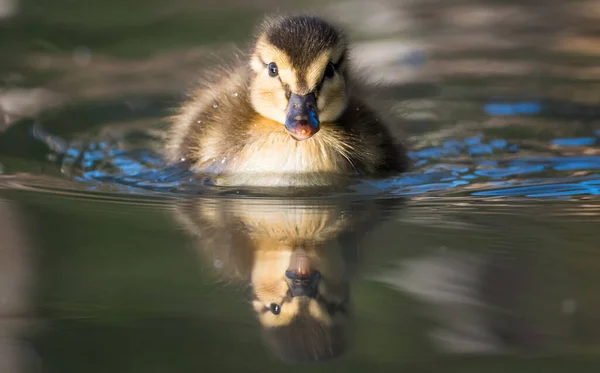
column 484, row 258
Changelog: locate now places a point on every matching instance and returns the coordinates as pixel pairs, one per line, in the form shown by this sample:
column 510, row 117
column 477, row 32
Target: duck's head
column 302, row 301
column 299, row 73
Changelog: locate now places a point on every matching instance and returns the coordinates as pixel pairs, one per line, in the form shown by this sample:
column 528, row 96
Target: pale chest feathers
column 274, row 158
column 278, row 152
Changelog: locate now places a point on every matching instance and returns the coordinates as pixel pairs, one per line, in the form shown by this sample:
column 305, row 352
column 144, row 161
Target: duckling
column 297, row 256
column 292, row 115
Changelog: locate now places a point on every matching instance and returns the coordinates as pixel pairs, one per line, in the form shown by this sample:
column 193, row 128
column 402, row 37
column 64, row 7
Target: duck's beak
column 302, row 118
column 301, row 279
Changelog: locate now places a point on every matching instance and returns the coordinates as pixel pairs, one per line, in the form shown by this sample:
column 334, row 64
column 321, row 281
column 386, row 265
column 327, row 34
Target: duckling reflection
column 298, row 257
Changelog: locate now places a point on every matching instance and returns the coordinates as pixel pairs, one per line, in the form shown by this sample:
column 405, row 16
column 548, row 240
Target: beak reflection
column 300, row 277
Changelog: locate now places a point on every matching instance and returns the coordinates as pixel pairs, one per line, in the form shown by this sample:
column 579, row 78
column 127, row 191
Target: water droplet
column 357, row 109
column 223, row 160
column 215, row 106
column 235, row 94
column 199, row 121
column 182, row 159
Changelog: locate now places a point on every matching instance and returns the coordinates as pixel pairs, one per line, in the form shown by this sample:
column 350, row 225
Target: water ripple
column 474, row 165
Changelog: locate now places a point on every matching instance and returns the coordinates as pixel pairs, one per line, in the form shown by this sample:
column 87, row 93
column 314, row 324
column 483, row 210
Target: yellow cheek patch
column 318, row 312
column 268, row 98
column 332, row 100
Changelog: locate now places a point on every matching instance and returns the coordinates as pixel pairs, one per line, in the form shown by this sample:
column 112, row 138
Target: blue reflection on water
column 580, row 141
column 474, row 165
column 548, row 190
column 517, row 108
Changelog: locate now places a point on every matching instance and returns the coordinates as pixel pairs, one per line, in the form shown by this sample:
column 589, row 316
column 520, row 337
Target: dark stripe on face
column 341, row 61
column 288, row 91
column 286, row 299
column 285, row 86
column 337, row 66
column 320, row 84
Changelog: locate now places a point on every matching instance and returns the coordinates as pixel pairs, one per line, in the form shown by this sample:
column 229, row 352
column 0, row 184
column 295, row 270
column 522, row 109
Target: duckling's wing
column 222, row 86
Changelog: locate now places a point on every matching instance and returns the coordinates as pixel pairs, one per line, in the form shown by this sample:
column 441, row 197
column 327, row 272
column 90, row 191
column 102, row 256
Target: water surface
column 483, row 257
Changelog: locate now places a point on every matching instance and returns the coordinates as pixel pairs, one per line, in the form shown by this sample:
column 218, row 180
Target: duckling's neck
column 269, row 156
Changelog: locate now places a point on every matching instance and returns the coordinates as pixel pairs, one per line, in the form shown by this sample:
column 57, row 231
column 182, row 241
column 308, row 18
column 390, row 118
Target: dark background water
column 484, row 257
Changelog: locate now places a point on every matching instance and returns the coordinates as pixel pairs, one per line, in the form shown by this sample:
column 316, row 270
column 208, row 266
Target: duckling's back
column 220, row 101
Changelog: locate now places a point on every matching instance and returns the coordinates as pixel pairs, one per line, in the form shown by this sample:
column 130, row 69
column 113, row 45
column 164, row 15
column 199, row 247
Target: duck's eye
column 275, row 308
column 329, row 71
column 273, row 71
